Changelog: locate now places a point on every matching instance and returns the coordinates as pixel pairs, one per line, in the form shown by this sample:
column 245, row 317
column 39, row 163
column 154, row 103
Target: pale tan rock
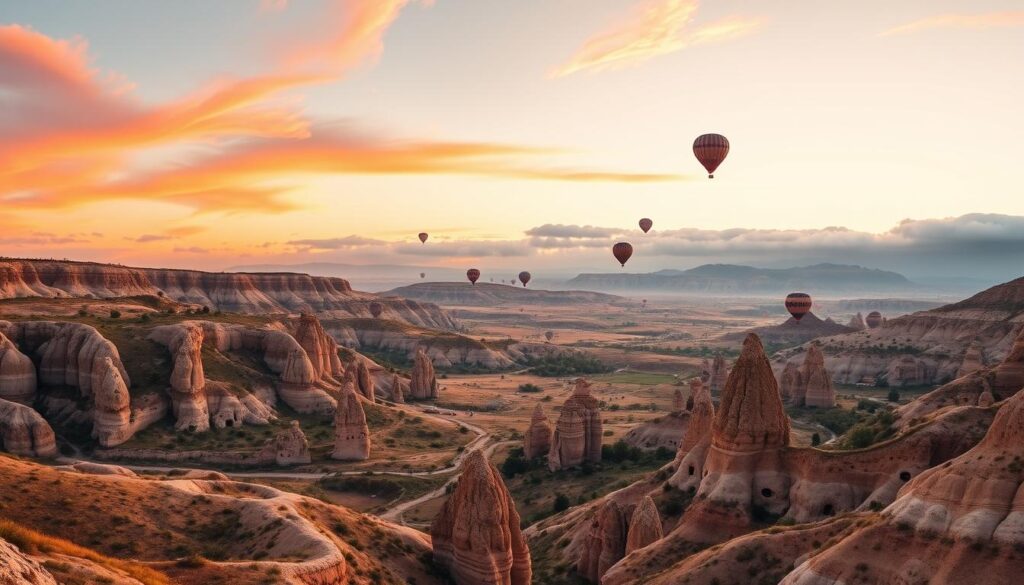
column 578, row 432
column 424, row 382
column 537, row 441
column 644, row 526
column 791, row 387
column 291, row 446
column 693, row 450
column 857, row 323
column 351, row 434
column 188, row 381
column 24, row 432
column 476, row 534
column 364, row 382
column 397, row 394
column 907, row 370
column 816, row 383
column 320, row 348
column 974, row 360
column 17, row 373
column 17, row 569
column 678, row 401
column 605, row 544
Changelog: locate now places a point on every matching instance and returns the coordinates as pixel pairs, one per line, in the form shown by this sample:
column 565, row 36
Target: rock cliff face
column 942, row 519
column 77, row 356
column 351, row 434
column 645, row 526
column 810, row 384
column 606, row 542
column 24, row 432
column 476, row 534
column 578, row 433
column 974, row 360
column 423, row 385
column 17, row 373
column 239, row 292
column 537, row 441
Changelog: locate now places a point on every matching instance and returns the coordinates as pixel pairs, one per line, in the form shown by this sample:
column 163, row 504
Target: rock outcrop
column 857, row 322
column 693, row 450
column 364, row 382
column 750, row 416
column 17, row 569
column 606, row 542
column 237, row 292
column 17, row 373
column 423, row 385
column 719, row 374
column 537, row 440
column 907, row 370
column 705, row 370
column 974, row 360
column 645, row 525
column 351, row 434
column 476, row 534
column 188, row 382
column 24, row 432
column 397, row 393
column 291, row 446
column 578, row 432
column 320, row 348
column 678, row 400
column 810, row 384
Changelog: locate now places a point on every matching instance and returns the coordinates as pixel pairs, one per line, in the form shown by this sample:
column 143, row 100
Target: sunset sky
column 521, row 134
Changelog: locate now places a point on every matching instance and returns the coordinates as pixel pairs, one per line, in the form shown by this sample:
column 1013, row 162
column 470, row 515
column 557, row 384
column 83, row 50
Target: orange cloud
column 1006, row 19
column 656, row 27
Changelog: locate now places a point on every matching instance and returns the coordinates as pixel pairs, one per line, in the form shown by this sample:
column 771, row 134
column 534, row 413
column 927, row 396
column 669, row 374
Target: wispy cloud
column 655, row 28
column 980, row 21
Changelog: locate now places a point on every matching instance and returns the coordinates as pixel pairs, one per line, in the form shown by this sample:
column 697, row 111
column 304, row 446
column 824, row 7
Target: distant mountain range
column 491, row 295
column 742, row 280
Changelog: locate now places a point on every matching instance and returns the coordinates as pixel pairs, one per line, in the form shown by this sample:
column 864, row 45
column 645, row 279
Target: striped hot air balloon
column 798, row 304
column 711, row 150
column 473, row 275
column 874, row 319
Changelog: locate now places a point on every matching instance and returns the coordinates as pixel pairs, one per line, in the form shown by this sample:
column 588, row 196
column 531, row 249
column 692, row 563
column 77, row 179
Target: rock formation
column 645, row 526
column 606, row 543
column 364, row 382
column 351, row 435
column 857, row 323
column 696, row 387
column 678, row 400
column 789, row 383
column 693, row 449
column 17, row 569
column 810, row 384
column 397, row 395
column 320, row 348
column 188, row 382
column 537, row 441
column 424, row 383
column 719, row 373
column 238, row 292
column 24, row 432
column 750, row 416
column 907, row 370
column 476, row 534
column 1008, row 376
column 17, row 373
column 291, row 446
column 974, row 360
column 578, row 433
column 705, row 370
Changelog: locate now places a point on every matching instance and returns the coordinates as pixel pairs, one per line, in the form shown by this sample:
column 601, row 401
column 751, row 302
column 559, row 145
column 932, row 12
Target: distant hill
column 735, row 279
column 793, row 332
column 486, row 294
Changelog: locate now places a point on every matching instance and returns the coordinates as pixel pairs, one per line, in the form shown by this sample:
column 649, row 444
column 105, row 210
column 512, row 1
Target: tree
column 894, row 396
column 561, row 503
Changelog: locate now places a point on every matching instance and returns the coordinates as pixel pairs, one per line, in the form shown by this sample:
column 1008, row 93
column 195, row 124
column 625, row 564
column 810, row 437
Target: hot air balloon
column 473, row 274
column 643, row 304
column 423, row 274
column 874, row 319
column 711, row 150
column 524, row 277
column 376, row 309
column 646, row 224
column 423, row 237
column 549, row 335
column 622, row 251
column 798, row 304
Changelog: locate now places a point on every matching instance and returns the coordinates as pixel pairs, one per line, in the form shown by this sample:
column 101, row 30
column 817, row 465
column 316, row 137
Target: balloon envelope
column 376, row 309
column 524, row 277
column 646, row 225
column 423, row 274
column 798, row 304
column 622, row 252
column 549, row 335
column 423, row 237
column 711, row 150
column 874, row 319
column 473, row 275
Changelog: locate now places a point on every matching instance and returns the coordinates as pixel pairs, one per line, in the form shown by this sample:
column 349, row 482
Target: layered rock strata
column 578, row 432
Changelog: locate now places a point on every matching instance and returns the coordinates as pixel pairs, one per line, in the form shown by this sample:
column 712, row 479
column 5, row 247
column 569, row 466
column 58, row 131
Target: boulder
column 18, row 569
column 476, row 535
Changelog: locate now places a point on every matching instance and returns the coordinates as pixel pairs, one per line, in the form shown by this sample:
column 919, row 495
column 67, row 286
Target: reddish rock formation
column 645, row 526
column 351, row 434
column 693, row 449
column 1008, row 376
column 705, row 370
column 810, row 384
column 188, row 382
column 678, row 400
column 789, row 383
column 578, row 433
column 750, row 416
column 17, row 569
column 696, row 387
column 239, row 292
column 17, row 373
column 537, row 441
column 907, row 370
column 291, row 447
column 364, row 382
column 476, row 534
column 320, row 348
column 974, row 360
column 397, row 394
column 424, row 382
column 719, row 374
column 24, row 432
column 857, row 323
column 606, row 543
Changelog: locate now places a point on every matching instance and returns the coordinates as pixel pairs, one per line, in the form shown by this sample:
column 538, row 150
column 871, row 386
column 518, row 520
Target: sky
column 521, row 135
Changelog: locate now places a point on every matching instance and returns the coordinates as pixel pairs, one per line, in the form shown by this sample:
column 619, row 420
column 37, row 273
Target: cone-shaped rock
column 645, row 526
column 396, row 390
column 476, row 534
column 789, row 384
column 605, row 544
column 857, row 323
column 351, row 435
column 974, row 360
column 816, row 381
column 719, row 374
column 291, row 446
column 578, row 433
column 423, row 385
column 750, row 416
column 693, row 450
column 537, row 441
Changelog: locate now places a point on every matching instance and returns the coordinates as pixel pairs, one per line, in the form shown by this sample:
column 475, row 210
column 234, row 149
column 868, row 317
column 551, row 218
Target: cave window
column 692, row 470
column 905, row 475
column 766, row 492
column 229, row 422
column 829, row 510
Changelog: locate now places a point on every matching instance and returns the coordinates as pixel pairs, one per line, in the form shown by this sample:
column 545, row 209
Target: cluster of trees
column 567, row 364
